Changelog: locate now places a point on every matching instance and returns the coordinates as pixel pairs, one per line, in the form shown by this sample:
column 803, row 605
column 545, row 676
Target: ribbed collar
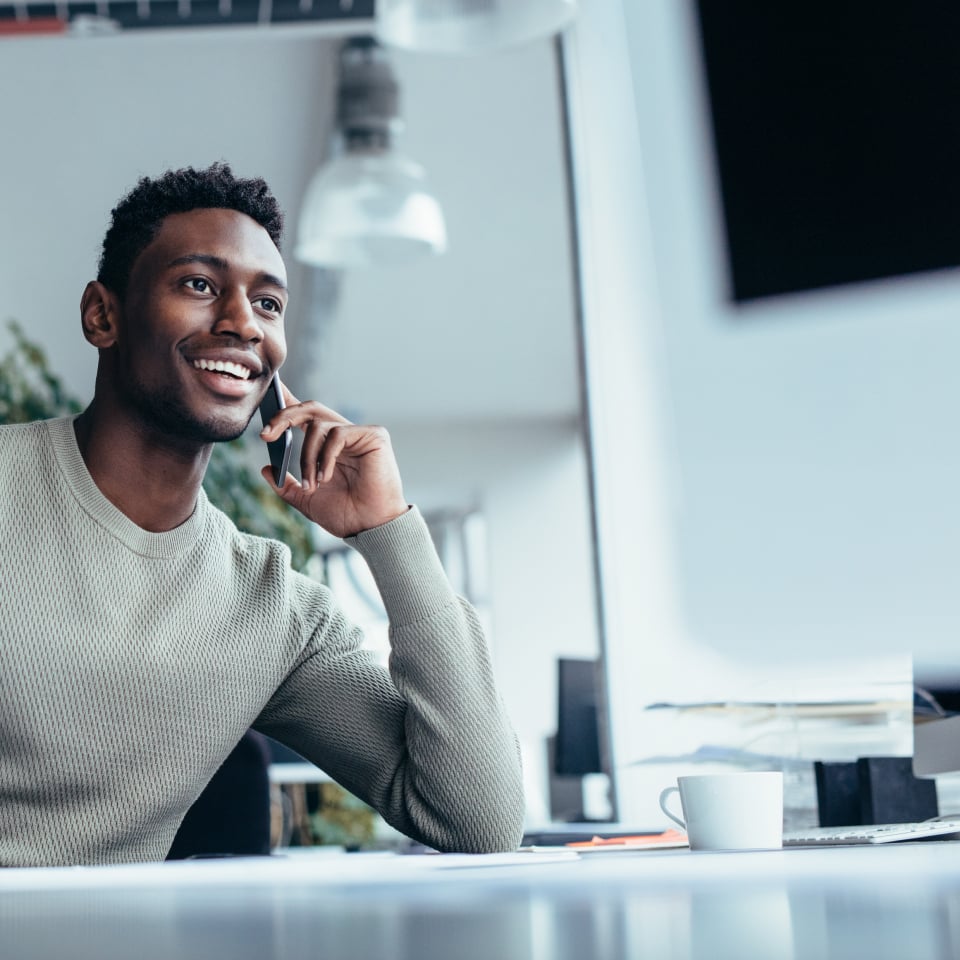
column 169, row 544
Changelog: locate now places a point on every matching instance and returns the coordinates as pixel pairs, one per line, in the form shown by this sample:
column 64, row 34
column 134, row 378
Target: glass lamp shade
column 366, row 209
column 468, row 26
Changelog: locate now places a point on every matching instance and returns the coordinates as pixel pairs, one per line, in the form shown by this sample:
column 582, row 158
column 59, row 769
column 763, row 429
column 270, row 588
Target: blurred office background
column 724, row 498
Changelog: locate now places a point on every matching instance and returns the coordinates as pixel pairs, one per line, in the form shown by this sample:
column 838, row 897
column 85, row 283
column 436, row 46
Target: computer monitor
column 577, row 743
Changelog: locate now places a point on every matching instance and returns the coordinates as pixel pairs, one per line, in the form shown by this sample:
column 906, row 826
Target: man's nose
column 237, row 317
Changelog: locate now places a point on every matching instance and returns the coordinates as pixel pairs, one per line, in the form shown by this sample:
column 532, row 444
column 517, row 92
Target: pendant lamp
column 369, row 205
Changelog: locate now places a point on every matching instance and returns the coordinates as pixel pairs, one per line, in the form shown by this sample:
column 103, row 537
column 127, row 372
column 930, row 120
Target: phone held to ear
column 279, row 448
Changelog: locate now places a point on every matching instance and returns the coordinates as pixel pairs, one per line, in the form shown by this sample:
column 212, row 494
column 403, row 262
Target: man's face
column 202, row 325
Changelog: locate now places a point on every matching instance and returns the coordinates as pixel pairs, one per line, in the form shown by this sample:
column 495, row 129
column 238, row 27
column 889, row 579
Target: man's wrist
column 390, row 517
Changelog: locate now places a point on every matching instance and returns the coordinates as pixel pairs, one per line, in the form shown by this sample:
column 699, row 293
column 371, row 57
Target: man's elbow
column 497, row 830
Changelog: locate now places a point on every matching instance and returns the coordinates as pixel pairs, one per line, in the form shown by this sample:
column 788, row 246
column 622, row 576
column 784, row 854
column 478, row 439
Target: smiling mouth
column 227, row 367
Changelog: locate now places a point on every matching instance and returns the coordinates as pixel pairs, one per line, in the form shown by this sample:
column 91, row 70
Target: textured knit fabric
column 131, row 663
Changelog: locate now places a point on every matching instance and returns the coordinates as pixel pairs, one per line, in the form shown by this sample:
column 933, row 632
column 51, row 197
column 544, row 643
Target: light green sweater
column 132, row 662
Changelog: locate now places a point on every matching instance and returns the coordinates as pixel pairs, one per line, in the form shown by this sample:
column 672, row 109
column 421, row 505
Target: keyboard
column 874, row 833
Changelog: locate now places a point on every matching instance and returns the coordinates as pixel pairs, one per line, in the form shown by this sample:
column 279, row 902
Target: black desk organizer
column 873, row 790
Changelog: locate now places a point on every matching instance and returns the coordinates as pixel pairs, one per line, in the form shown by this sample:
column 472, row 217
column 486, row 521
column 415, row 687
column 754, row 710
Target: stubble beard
column 164, row 412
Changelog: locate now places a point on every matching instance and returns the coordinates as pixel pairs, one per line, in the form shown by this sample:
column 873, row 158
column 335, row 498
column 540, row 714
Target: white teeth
column 224, row 366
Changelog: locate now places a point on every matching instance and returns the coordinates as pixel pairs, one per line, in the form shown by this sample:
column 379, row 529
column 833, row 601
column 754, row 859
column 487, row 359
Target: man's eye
column 199, row 284
column 269, row 304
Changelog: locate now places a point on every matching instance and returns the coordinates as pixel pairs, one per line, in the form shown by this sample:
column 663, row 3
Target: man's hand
column 350, row 479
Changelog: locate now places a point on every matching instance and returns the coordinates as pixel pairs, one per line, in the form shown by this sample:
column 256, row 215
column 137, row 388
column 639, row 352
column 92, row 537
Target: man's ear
column 99, row 315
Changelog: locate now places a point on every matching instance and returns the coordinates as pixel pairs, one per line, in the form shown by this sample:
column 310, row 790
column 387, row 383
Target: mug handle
column 663, row 805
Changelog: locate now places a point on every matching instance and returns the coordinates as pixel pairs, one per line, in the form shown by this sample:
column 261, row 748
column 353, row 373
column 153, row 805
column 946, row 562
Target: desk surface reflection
column 883, row 902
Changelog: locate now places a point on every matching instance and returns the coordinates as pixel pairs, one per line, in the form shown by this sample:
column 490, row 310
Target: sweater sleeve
column 427, row 744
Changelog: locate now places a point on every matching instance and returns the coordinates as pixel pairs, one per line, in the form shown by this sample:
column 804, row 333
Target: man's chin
column 223, row 431
column 192, row 429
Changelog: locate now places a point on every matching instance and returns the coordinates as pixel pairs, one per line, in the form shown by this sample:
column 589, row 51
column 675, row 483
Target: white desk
column 891, row 902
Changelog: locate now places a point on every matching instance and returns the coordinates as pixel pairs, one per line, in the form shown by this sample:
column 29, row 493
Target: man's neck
column 153, row 483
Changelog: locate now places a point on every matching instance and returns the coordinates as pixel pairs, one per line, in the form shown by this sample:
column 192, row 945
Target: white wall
column 814, row 477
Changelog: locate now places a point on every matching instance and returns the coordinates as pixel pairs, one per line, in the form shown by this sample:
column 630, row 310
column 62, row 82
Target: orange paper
column 667, row 838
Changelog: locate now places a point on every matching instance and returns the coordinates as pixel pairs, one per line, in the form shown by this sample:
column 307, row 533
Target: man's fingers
column 323, row 442
column 288, row 480
column 299, row 415
column 333, row 446
column 326, row 444
column 315, row 435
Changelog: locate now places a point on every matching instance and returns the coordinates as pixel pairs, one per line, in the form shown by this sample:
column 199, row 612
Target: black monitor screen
column 837, row 139
column 577, row 747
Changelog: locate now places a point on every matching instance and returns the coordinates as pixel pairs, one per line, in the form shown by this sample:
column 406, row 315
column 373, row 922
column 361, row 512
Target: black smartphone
column 279, row 448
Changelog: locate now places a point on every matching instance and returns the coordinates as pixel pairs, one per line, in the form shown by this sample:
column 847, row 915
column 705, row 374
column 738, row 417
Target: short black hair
column 137, row 218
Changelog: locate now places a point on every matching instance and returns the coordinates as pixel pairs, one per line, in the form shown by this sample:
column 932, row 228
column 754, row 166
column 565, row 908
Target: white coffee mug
column 730, row 811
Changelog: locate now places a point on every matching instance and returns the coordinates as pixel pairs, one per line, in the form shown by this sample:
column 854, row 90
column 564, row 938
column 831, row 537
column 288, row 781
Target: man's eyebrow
column 273, row 281
column 218, row 263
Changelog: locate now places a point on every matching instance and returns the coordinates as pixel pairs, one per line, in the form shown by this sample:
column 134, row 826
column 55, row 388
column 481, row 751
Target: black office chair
column 231, row 817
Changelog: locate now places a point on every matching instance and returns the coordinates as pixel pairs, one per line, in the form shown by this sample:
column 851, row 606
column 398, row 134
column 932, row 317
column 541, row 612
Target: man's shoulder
column 27, row 454
column 13, row 432
column 20, row 440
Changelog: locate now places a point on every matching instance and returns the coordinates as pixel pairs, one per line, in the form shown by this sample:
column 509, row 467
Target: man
column 142, row 634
